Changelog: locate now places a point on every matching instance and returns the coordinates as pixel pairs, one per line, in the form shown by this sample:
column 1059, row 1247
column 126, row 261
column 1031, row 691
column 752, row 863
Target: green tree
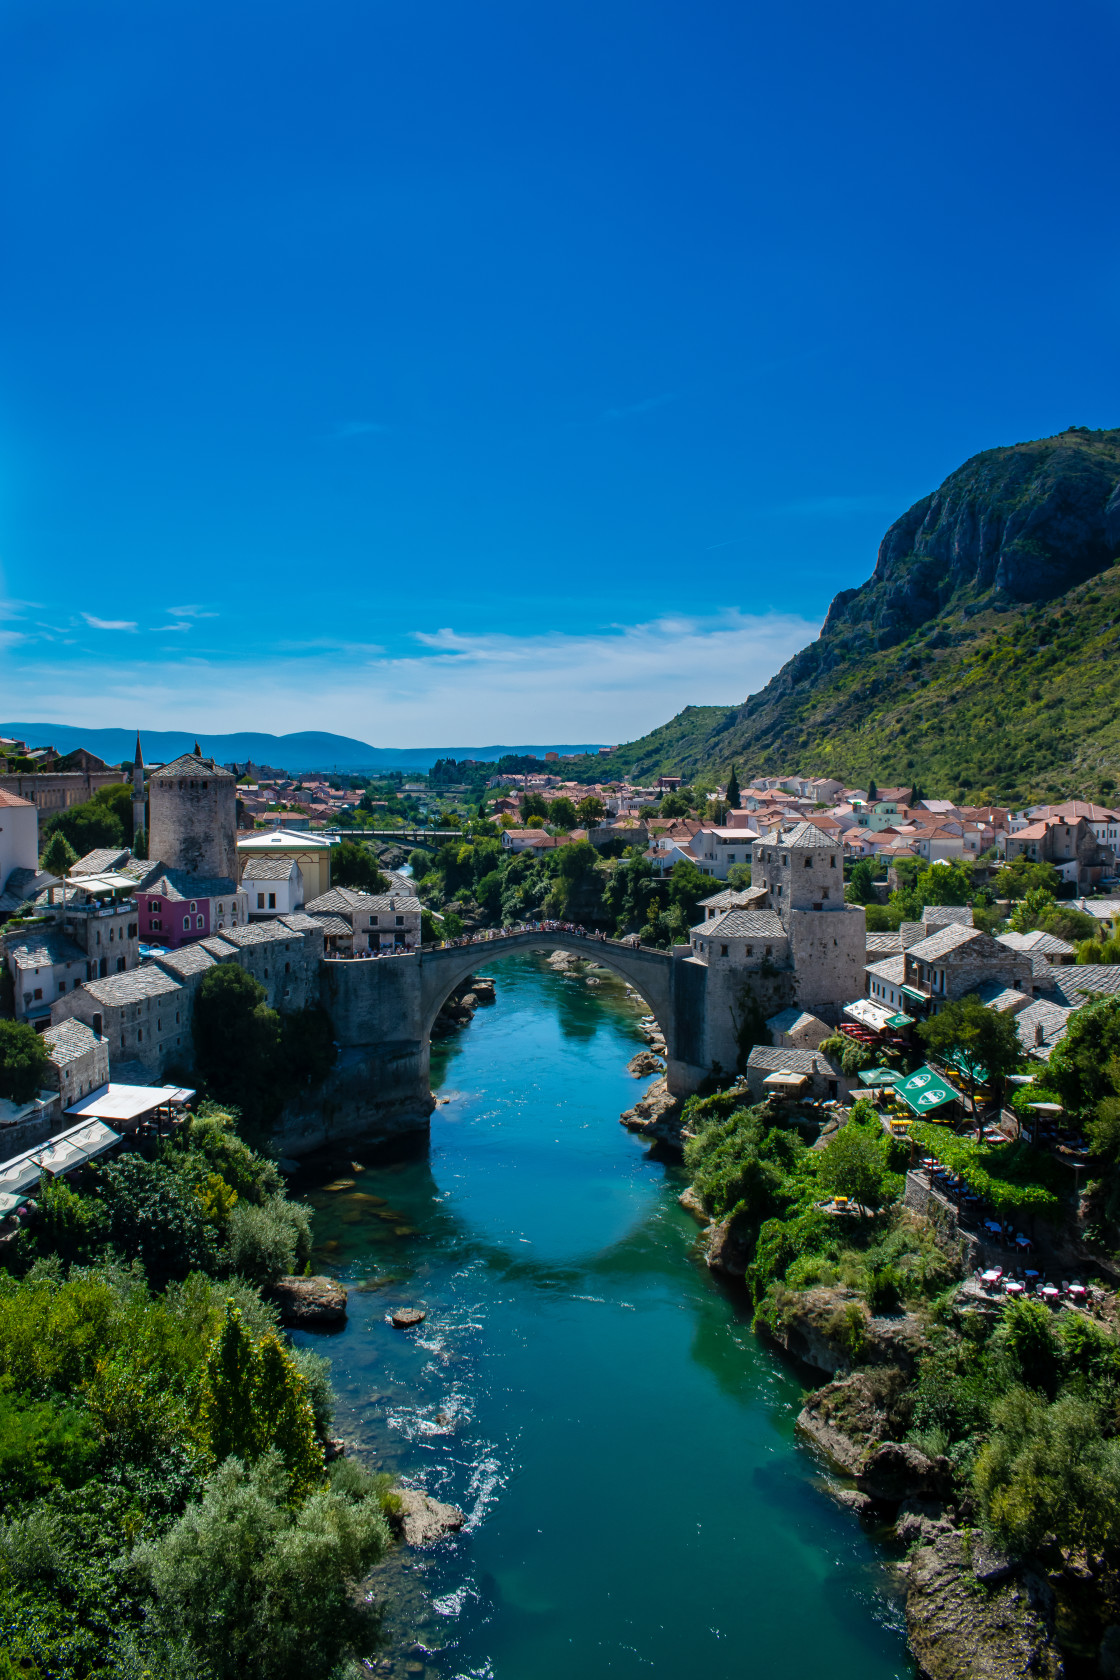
column 354, row 865
column 946, row 883
column 23, row 1061
column 590, row 811
column 1079, row 1066
column 1035, row 908
column 676, row 804
column 562, row 815
column 237, row 1041
column 59, row 856
column 262, row 1586
column 861, row 883
column 254, row 1401
column 1050, row 1470
column 981, row 1039
column 118, row 799
column 1018, row 877
column 733, row 794
column 533, row 805
column 872, row 792
column 88, row 827
column 855, row 1165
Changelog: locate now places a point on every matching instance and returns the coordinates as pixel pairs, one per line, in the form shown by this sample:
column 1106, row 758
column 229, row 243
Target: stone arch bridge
column 383, row 1010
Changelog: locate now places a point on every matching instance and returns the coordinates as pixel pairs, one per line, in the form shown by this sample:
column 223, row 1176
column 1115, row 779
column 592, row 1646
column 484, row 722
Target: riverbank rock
column 483, row 990
column 896, row 1470
column 405, row 1317
column 562, row 960
column 421, row 1520
column 306, row 1302
column 728, row 1248
column 962, row 1629
column 832, row 1330
column 656, row 1116
column 843, row 1419
column 645, row 1063
column 690, row 1201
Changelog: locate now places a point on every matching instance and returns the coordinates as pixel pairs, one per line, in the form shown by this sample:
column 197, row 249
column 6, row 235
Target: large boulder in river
column 656, row 1116
column 832, row 1330
column 309, row 1303
column 422, row 1520
column 845, row 1419
column 962, row 1628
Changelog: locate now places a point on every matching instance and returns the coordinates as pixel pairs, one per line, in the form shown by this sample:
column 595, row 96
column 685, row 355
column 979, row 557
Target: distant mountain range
column 308, row 750
column 980, row 660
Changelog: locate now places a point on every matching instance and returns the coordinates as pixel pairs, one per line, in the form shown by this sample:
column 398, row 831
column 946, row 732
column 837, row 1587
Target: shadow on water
column 583, row 1389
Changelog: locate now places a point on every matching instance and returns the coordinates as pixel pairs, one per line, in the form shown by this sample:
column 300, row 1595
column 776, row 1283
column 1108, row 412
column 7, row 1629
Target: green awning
column 910, row 992
column 878, row 1076
column 979, row 1073
column 900, row 1021
column 926, row 1090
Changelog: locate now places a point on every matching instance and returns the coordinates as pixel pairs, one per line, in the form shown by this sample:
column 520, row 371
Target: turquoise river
column 624, row 1448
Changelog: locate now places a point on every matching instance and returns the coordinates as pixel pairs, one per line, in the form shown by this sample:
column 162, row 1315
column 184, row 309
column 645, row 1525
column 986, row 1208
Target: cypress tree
column 733, row 790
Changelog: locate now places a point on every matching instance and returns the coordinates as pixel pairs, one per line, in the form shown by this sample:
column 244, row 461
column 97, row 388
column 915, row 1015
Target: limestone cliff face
column 1000, row 589
column 1026, row 523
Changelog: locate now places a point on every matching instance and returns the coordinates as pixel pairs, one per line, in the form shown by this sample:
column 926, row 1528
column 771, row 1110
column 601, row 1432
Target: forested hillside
column 980, row 658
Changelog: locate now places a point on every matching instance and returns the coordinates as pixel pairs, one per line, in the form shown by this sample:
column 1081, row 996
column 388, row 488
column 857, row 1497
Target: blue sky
column 505, row 371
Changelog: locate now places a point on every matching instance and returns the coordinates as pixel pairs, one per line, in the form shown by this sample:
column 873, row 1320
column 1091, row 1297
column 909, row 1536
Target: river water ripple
column 582, row 1387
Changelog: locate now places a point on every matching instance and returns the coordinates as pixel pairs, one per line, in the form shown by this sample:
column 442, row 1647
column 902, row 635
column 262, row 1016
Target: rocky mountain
column 980, row 657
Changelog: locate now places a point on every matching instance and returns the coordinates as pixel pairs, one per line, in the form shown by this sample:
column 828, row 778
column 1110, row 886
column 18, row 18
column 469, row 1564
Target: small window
column 139, row 1035
column 194, row 906
column 186, row 924
column 272, row 901
column 159, row 1024
column 176, row 1017
column 61, row 987
column 287, row 968
column 260, row 901
column 769, row 950
column 750, row 950
column 120, row 965
column 723, row 950
column 38, row 993
column 199, row 920
column 832, row 863
column 373, row 921
column 809, row 861
column 400, row 921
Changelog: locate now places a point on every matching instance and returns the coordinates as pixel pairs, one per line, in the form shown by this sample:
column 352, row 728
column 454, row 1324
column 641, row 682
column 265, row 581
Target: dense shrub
column 269, row 1240
column 23, row 1060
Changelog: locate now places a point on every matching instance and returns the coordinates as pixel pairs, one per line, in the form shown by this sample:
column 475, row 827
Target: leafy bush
column 268, row 1240
column 1049, row 1469
column 23, row 1060
column 155, row 1216
column 857, row 1164
column 739, row 1165
column 261, row 1588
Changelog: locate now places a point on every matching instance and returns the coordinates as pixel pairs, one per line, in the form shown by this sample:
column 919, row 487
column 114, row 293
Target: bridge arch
column 652, row 974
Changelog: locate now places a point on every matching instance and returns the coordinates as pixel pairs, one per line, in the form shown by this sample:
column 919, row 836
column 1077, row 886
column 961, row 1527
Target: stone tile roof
column 733, row 898
column 269, row 869
column 790, row 1061
column 884, row 944
column 408, row 902
column 299, row 922
column 218, row 947
column 1084, row 981
column 191, row 765
column 1046, row 943
column 339, row 901
column 188, row 960
column 1042, row 1025
column 334, row 927
column 176, row 885
column 941, row 915
column 259, row 933
column 790, row 1019
column 69, row 1040
column 43, row 947
column 1004, row 1000
column 945, row 941
column 891, row 969
column 806, row 835
column 116, row 991
column 142, row 870
column 743, row 924
column 101, row 859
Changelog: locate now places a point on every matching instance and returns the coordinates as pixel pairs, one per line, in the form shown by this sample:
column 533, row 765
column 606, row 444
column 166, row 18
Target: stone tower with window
column 192, row 807
column 802, row 871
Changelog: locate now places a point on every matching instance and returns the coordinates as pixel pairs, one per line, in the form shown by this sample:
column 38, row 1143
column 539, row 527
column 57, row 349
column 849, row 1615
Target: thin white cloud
column 190, row 612
column 108, row 623
column 609, row 685
column 161, row 629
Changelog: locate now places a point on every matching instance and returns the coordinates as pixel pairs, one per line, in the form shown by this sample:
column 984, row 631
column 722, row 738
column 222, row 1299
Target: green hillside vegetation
column 980, row 660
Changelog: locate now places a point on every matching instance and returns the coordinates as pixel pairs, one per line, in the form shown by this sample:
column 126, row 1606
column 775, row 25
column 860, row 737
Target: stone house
column 957, row 959
column 885, row 980
column 1071, row 846
column 272, row 885
column 78, row 1060
column 139, row 1015
column 192, row 815
column 1058, row 952
column 45, row 964
column 793, row 1029
column 176, row 908
column 825, row 1080
column 732, row 898
column 376, row 921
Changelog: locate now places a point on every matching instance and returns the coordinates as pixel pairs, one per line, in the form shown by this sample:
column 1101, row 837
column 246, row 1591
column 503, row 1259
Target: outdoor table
column 1049, row 1291
column 991, row 1225
column 1023, row 1242
column 1012, row 1288
column 1077, row 1289
column 1028, row 1273
column 991, row 1276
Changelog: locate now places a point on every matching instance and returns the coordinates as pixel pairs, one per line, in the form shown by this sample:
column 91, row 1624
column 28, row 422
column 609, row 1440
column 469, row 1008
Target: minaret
column 139, row 809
